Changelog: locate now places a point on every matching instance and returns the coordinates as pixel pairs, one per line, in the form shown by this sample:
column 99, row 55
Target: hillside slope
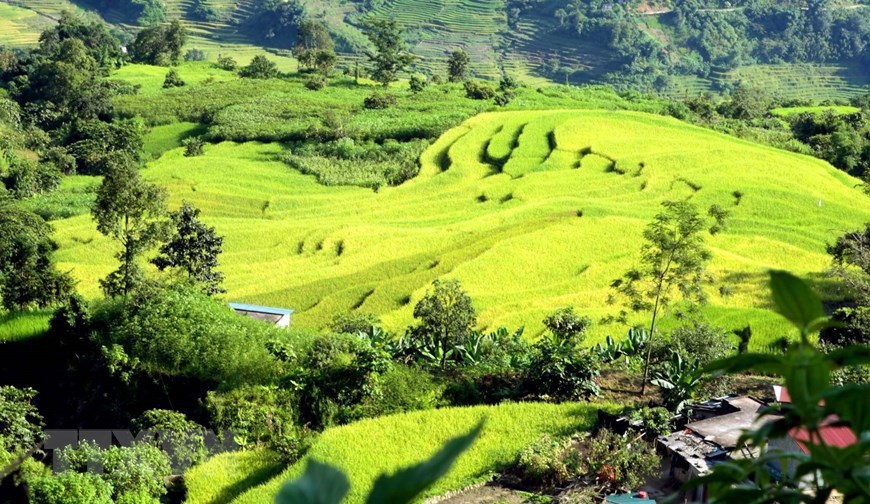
column 530, row 210
column 682, row 51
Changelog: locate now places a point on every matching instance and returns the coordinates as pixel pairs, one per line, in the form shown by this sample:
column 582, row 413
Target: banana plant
column 680, row 381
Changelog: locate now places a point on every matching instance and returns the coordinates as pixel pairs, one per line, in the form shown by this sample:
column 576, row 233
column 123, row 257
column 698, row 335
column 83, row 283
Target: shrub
column 549, row 462
column 563, row 372
column 315, row 83
column 400, row 389
column 379, row 101
column 619, row 463
column 566, row 325
column 138, row 469
column 172, row 79
column 477, row 91
column 417, row 84
column 353, row 323
column 194, row 55
column 700, row 341
column 335, row 375
column 181, row 439
column 193, row 146
column 227, row 63
column 20, row 422
column 69, row 488
column 503, row 99
column 180, row 331
column 259, row 68
column 652, row 422
column 259, row 416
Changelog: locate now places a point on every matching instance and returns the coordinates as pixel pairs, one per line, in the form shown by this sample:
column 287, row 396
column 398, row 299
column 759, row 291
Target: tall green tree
column 457, row 66
column 446, row 315
column 193, row 248
column 131, row 211
column 159, row 45
column 390, row 56
column 28, row 276
column 672, row 265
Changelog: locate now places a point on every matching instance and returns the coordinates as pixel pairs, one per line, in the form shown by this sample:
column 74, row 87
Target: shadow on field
column 231, row 492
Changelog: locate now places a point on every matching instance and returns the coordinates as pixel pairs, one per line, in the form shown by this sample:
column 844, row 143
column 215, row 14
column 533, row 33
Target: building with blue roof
column 279, row 317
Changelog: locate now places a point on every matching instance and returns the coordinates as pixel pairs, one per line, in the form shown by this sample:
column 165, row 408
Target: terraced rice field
column 804, row 81
column 20, row 27
column 400, row 441
column 530, row 210
column 793, row 111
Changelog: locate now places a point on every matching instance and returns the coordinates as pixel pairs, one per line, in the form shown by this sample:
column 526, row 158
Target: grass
column 169, row 136
column 368, row 448
column 23, row 325
column 20, row 27
column 226, row 476
column 513, row 237
column 816, row 110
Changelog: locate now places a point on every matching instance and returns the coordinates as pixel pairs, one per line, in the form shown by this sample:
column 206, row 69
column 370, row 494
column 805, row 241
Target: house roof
column 832, row 431
column 241, row 307
column 725, row 430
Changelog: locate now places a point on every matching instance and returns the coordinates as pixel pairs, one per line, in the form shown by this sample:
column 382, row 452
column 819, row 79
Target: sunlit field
column 400, row 441
column 530, row 210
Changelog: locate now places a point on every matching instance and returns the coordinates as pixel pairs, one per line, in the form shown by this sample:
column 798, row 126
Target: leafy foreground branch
column 824, row 470
column 325, row 484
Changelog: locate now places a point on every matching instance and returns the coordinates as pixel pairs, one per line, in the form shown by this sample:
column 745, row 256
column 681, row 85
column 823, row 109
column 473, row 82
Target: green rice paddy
column 820, row 109
column 403, row 440
column 532, row 211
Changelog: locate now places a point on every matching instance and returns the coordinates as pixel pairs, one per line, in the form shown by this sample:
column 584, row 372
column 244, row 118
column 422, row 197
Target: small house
column 279, row 317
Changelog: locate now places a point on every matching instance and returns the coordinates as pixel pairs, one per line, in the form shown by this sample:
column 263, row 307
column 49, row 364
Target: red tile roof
column 832, row 432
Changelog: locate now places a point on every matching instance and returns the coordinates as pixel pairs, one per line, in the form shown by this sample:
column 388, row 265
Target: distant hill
column 814, row 49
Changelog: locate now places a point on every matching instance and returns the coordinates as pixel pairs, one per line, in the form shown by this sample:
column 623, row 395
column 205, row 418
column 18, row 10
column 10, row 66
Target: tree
column 457, row 66
column 446, row 315
column 564, row 323
column 28, row 276
column 324, row 61
column 129, row 210
column 159, row 45
column 851, row 261
column 193, row 248
column 99, row 42
column 313, row 35
column 672, row 265
column 390, row 57
column 259, row 68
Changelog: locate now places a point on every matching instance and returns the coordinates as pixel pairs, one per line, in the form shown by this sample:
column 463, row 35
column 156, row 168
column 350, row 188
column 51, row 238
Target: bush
column 315, row 83
column 700, row 341
column 477, row 91
column 353, row 323
column 400, row 389
column 138, row 469
column 181, row 439
column 417, row 84
column 193, row 146
column 620, row 463
column 379, row 101
column 259, row 416
column 563, row 372
column 652, row 422
column 172, row 79
column 180, row 331
column 194, row 55
column 335, row 375
column 259, row 68
column 20, row 422
column 69, row 488
column 548, row 462
column 227, row 63
column 566, row 325
column 503, row 99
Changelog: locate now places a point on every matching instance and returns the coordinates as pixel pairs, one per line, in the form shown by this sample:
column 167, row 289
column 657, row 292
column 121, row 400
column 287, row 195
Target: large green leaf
column 321, row 484
column 796, row 301
column 406, row 484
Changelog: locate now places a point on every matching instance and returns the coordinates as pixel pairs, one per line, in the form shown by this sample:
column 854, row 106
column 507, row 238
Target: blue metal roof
column 260, row 309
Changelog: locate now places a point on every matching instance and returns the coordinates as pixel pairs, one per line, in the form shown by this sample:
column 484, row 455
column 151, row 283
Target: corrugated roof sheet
column 260, row 309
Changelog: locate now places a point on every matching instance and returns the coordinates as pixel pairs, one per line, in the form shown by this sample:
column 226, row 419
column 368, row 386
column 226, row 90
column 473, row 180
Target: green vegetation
column 428, row 220
column 816, row 110
column 405, row 439
column 18, row 326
